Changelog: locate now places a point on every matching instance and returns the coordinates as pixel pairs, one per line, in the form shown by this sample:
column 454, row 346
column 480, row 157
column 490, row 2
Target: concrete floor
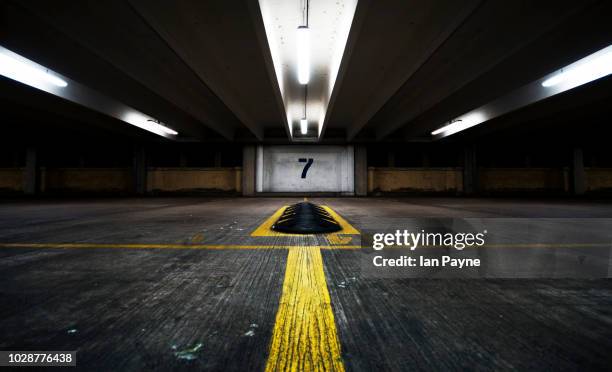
column 128, row 295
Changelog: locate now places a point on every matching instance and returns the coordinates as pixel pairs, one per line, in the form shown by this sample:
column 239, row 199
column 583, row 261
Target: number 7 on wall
column 308, row 162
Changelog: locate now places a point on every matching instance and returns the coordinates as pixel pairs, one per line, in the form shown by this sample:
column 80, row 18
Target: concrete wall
column 598, row 179
column 419, row 180
column 11, row 180
column 279, row 169
column 194, row 179
column 490, row 180
column 121, row 181
column 500, row 180
column 106, row 180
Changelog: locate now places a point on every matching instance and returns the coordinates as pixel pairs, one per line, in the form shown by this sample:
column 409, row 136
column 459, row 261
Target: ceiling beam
column 215, row 48
column 493, row 33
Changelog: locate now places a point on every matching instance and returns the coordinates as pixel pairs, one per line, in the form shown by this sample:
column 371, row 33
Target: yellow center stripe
column 305, row 336
column 166, row 246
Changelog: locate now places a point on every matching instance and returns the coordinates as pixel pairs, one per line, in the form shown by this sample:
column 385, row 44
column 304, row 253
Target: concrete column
column 391, row 159
column 140, row 170
column 578, row 174
column 248, row 169
column 361, row 170
column 31, row 174
column 425, row 159
column 470, row 171
column 217, row 159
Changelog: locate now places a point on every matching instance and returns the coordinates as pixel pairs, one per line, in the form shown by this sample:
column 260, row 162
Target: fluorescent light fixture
column 147, row 123
column 303, row 53
column 585, row 70
column 28, row 72
column 303, row 126
column 592, row 67
column 467, row 121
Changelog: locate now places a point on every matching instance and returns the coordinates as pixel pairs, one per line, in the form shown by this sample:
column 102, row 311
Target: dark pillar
column 217, row 159
column 30, row 174
column 470, row 171
column 361, row 170
column 248, row 170
column 140, row 170
column 391, row 159
column 578, row 174
column 425, row 159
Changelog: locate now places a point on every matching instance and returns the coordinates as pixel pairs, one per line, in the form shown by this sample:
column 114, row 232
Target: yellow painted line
column 259, row 246
column 514, row 245
column 347, row 228
column 164, row 246
column 304, row 336
column 265, row 229
column 338, row 239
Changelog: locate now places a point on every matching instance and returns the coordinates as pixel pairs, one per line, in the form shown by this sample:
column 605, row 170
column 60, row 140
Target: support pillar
column 31, row 174
column 248, row 170
column 470, row 171
column 578, row 174
column 391, row 159
column 140, row 170
column 361, row 170
column 217, row 159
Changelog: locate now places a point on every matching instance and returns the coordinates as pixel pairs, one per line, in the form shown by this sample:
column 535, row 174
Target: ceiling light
column 585, row 70
column 457, row 125
column 147, row 123
column 592, row 67
column 303, row 54
column 303, row 126
column 163, row 128
column 21, row 69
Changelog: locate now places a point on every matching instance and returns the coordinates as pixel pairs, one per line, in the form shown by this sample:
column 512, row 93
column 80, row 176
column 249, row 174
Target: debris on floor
column 251, row 331
column 189, row 353
column 347, row 282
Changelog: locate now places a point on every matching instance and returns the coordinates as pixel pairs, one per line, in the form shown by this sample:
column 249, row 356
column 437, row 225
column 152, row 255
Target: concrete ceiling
column 429, row 51
column 207, row 69
column 328, row 24
column 195, row 64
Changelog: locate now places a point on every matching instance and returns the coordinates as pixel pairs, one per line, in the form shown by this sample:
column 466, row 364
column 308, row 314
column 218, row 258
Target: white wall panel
column 279, row 169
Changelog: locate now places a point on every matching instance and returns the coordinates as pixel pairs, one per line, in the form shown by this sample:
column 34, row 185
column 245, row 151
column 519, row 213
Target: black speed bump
column 306, row 218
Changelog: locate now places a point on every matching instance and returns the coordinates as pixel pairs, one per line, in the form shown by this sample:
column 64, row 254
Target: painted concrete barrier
column 11, row 180
column 190, row 180
column 417, row 180
column 380, row 180
column 523, row 179
column 598, row 179
column 83, row 180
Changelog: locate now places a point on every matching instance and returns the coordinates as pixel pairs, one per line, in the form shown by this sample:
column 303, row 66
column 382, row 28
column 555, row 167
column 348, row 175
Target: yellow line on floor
column 512, row 245
column 165, row 246
column 304, row 336
column 347, row 228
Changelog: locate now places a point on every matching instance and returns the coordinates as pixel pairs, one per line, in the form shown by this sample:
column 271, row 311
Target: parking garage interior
column 149, row 150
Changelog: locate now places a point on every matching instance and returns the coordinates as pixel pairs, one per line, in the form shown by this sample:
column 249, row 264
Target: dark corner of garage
column 306, row 185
